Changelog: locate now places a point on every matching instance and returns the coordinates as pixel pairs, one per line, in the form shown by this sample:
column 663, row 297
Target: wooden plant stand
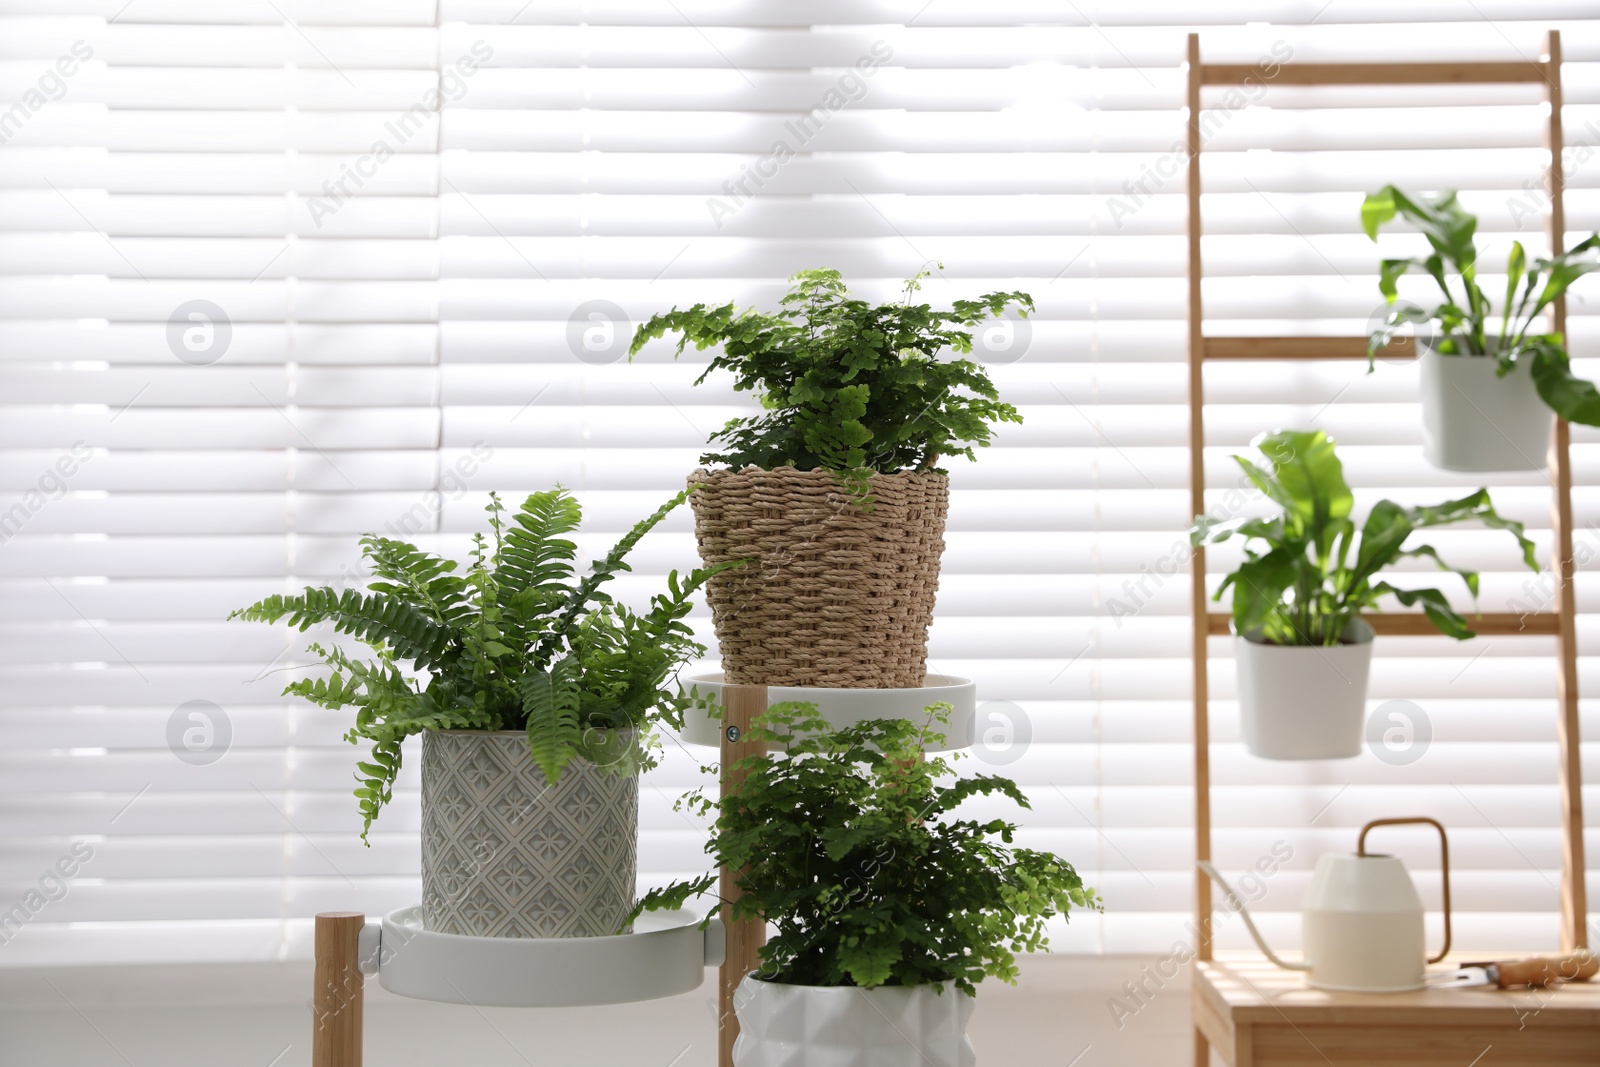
column 1257, row 1016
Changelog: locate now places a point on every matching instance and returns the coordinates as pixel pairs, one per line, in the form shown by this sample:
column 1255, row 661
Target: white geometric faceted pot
column 504, row 854
column 1299, row 702
column 846, row 1026
column 1475, row 421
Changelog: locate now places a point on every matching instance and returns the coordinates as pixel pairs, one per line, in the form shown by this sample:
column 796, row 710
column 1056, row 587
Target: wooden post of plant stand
column 336, row 1001
column 741, row 703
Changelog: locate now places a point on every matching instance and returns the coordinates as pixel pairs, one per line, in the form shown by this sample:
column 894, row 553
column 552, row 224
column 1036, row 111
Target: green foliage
column 846, row 385
column 849, row 844
column 515, row 643
column 1302, row 587
column 1464, row 328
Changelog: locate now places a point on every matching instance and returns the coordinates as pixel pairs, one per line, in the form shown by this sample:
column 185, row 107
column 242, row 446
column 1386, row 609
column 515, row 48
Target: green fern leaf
column 379, row 620
column 587, row 594
column 550, row 699
column 419, row 577
column 532, row 553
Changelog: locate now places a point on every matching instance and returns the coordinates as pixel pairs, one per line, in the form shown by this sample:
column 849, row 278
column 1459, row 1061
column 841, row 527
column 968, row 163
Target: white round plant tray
column 846, row 707
column 666, row 954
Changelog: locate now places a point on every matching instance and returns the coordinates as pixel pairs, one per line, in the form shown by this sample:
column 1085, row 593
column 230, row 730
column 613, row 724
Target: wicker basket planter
column 504, row 854
column 834, row 595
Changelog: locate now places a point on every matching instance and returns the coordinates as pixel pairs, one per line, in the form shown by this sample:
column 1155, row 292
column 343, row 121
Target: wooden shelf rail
column 1407, row 624
column 1303, row 348
column 1461, row 73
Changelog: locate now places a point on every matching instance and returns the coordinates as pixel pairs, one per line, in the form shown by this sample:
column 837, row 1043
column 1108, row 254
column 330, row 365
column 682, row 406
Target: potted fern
column 886, row 906
column 1488, row 394
column 834, row 493
column 1301, row 648
column 536, row 695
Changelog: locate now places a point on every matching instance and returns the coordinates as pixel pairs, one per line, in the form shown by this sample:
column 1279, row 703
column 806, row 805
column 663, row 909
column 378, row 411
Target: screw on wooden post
column 740, row 704
column 336, row 1000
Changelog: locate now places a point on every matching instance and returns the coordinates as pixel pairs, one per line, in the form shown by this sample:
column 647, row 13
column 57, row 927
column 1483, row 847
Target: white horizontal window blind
column 218, row 239
column 283, row 274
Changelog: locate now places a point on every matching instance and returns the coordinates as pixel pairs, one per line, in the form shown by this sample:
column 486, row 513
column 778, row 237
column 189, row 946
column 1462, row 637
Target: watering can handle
column 1238, row 906
column 1444, row 865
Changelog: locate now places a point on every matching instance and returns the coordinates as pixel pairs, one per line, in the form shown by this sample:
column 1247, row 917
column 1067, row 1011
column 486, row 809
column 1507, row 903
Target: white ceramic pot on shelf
column 1300, row 702
column 783, row 1025
column 1473, row 420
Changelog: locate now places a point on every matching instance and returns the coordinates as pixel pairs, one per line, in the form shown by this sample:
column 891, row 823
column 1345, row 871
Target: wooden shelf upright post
column 1574, row 895
column 1197, row 504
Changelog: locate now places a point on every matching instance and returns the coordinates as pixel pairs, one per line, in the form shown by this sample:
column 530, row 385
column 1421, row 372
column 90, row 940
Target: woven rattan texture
column 834, row 595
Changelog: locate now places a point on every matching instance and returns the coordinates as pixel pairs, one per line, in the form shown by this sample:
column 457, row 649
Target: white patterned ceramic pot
column 1474, row 420
column 845, row 1026
column 504, row 854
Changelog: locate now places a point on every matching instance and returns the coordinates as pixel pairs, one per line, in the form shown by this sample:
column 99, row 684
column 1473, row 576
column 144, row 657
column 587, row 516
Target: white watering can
column 1361, row 920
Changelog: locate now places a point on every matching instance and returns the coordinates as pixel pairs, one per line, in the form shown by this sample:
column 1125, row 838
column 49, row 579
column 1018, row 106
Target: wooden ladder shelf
column 1559, row 622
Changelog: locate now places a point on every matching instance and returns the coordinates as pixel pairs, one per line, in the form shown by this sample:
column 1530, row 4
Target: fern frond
column 379, row 693
column 391, row 712
column 496, row 523
column 424, row 579
column 532, row 553
column 550, row 699
column 662, row 621
column 376, row 780
column 377, row 619
column 628, row 658
column 335, row 692
column 587, row 594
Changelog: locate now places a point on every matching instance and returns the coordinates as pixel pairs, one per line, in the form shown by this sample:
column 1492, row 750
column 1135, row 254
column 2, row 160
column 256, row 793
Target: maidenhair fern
column 516, row 642
column 846, row 385
column 871, row 863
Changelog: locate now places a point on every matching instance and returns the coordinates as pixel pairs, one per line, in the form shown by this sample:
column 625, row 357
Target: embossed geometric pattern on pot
column 844, row 1026
column 503, row 855
column 834, row 596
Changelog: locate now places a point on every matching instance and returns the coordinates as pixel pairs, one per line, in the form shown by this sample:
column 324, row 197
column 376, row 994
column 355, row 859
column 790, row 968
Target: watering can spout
column 1238, row 905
